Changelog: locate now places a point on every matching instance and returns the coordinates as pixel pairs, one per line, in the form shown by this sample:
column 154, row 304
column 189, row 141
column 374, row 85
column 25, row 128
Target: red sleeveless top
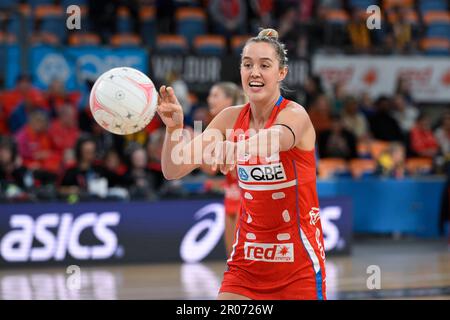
column 278, row 251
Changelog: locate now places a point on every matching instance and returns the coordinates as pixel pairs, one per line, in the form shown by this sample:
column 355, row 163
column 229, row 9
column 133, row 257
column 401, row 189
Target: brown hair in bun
column 271, row 36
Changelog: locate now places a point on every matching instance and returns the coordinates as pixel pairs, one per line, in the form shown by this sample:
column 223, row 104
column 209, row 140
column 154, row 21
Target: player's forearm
column 264, row 144
column 176, row 161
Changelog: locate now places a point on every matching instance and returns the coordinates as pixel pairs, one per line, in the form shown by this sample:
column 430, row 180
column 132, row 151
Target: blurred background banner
column 428, row 77
column 135, row 232
column 74, row 66
column 201, row 72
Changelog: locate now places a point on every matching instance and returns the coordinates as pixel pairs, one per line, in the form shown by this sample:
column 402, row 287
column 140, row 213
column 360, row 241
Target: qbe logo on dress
column 269, row 252
column 262, row 173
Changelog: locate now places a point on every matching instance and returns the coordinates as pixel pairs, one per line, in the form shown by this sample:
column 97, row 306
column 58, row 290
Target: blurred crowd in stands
column 221, row 26
column 51, row 148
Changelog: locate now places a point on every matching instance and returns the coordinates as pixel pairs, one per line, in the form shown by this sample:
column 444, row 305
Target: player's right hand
column 169, row 109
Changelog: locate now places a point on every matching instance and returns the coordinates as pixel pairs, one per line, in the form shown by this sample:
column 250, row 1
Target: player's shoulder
column 227, row 117
column 231, row 113
column 294, row 109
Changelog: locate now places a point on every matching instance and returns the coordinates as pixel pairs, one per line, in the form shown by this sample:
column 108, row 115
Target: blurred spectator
column 339, row 94
column 288, row 29
column 337, row 142
column 202, row 115
column 140, row 181
column 20, row 101
column 391, row 163
column 105, row 140
column 403, row 88
column 181, row 90
column 164, row 14
column 154, row 149
column 103, row 16
column 35, row 145
column 405, row 114
column 320, row 114
column 263, row 9
column 382, row 125
column 24, row 91
column 86, row 178
column 358, row 32
column 12, row 173
column 3, row 121
column 64, row 130
column 113, row 169
column 442, row 135
column 56, row 97
column 312, row 88
column 366, row 105
column 353, row 120
column 228, row 16
column 423, row 142
column 400, row 31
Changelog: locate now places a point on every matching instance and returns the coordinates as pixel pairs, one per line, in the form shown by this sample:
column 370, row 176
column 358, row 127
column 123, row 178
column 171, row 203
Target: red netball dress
column 278, row 251
column 232, row 199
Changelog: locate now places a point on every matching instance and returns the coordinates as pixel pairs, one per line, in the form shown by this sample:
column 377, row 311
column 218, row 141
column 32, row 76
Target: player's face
column 260, row 71
column 217, row 100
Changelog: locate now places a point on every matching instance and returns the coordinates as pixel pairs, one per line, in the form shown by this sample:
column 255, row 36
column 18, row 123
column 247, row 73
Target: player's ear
column 282, row 74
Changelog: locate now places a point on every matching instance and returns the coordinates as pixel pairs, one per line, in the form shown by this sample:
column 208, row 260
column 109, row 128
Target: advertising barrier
column 166, row 231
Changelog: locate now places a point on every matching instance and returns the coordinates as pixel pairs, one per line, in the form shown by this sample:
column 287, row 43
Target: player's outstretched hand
column 169, row 109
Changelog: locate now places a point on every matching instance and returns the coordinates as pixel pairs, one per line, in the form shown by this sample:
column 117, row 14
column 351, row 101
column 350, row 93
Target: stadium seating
column 66, row 3
column 237, row 43
column 8, row 4
column 44, row 38
column 123, row 20
column 432, row 5
column 148, row 25
column 190, row 23
column 84, row 39
column 436, row 46
column 377, row 147
column 362, row 167
column 37, row 3
column 126, row 40
column 171, row 44
column 337, row 17
column 51, row 18
column 13, row 22
column 419, row 166
column 332, row 167
column 389, row 4
column 362, row 4
column 210, row 45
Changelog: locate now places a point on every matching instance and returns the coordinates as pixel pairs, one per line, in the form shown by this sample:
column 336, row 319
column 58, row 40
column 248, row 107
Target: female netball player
column 278, row 251
column 221, row 96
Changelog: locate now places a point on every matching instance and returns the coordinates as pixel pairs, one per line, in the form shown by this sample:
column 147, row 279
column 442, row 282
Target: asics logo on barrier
column 262, row 173
column 269, row 252
column 59, row 235
column 195, row 247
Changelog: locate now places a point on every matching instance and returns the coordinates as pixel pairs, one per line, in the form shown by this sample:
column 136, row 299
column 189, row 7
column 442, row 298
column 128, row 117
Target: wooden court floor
column 409, row 269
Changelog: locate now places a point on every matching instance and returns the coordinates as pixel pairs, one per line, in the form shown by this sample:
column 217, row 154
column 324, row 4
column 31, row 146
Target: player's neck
column 261, row 111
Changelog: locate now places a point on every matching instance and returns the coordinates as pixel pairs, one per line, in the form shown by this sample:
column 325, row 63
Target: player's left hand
column 224, row 156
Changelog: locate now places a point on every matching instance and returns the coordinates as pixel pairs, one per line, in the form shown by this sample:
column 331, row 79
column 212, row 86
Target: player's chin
column 256, row 96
